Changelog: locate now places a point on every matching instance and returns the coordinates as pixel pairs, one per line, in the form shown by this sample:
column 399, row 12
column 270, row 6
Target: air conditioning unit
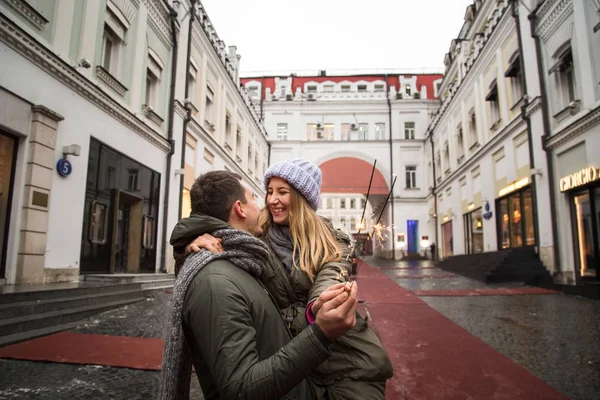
column 320, row 134
column 311, row 97
column 289, row 97
column 354, row 127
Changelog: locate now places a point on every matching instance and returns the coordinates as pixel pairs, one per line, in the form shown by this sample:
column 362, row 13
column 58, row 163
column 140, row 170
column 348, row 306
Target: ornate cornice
column 533, row 106
column 551, row 16
column 159, row 21
column 180, row 109
column 577, row 128
column 152, row 115
column 30, row 13
column 111, row 81
column 60, row 70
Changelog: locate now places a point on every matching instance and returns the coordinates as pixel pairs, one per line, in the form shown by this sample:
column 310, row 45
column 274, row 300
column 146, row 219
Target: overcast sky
column 276, row 35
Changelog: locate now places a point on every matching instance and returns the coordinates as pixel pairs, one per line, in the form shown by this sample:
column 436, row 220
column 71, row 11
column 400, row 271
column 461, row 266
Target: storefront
column 473, row 222
column 514, row 211
column 447, row 239
column 121, row 210
column 8, row 156
column 583, row 190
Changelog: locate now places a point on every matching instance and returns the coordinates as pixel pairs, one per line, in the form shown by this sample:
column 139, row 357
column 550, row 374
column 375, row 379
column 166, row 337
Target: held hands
column 337, row 313
column 205, row 241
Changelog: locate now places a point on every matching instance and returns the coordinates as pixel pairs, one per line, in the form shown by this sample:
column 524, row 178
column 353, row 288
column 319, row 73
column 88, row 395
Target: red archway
column 351, row 175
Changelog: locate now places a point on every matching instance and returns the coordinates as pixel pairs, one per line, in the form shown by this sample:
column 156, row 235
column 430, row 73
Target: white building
column 342, row 123
column 564, row 38
column 92, row 142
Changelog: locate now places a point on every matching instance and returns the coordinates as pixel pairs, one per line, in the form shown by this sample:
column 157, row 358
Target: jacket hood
column 188, row 229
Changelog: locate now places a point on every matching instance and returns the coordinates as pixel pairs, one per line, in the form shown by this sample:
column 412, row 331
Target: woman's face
column 279, row 200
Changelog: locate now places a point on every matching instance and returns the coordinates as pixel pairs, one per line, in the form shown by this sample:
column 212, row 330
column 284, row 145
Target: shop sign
column 579, row 178
column 488, row 214
column 516, row 185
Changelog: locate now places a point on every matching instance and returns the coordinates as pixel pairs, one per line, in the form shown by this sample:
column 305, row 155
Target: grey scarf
column 245, row 252
column 280, row 241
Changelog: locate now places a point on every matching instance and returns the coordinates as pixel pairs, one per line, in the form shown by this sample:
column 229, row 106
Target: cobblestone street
column 553, row 336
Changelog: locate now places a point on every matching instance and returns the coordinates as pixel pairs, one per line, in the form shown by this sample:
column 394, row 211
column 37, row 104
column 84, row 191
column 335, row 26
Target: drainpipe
column 389, row 103
column 527, row 119
column 262, row 98
column 435, row 205
column 188, row 109
column 163, row 250
column 546, row 126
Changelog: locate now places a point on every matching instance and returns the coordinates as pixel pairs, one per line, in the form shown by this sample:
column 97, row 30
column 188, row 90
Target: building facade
column 344, row 123
column 102, row 124
column 564, row 109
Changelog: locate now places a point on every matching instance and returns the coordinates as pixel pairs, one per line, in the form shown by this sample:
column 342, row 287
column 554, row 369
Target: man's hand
column 205, row 241
column 338, row 313
column 325, row 296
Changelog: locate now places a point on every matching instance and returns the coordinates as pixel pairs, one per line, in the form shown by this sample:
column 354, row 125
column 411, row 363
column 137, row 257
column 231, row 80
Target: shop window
column 515, row 220
column 504, row 224
column 474, row 231
column 148, row 232
column 98, row 223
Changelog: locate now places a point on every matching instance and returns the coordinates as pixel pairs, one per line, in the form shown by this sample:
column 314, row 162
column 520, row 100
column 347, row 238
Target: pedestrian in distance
column 306, row 256
column 225, row 322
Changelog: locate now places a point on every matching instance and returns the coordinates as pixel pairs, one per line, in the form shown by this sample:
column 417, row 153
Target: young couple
column 257, row 316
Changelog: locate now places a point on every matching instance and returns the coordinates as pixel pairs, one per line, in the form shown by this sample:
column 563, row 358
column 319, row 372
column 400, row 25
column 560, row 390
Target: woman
column 306, row 257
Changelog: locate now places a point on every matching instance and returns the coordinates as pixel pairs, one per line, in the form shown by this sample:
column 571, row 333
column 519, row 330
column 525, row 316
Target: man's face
column 252, row 211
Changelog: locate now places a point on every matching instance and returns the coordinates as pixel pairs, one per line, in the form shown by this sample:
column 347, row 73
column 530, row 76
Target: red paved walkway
column 433, row 357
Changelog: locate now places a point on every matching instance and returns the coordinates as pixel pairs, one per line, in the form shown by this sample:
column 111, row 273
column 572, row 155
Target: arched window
column 353, row 224
column 343, row 223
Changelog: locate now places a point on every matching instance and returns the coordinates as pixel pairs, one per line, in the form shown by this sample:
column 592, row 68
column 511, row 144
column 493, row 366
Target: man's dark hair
column 215, row 192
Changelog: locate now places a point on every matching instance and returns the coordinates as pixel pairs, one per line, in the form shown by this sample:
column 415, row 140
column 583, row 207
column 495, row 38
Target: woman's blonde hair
column 314, row 243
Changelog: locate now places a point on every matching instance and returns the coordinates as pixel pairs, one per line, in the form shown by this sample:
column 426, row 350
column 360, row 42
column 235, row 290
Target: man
column 226, row 323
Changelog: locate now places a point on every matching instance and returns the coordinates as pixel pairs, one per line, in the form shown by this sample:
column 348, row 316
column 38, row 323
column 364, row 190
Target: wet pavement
column 556, row 337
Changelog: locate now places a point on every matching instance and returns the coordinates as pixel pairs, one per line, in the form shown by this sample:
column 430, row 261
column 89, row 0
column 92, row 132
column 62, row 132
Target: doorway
column 127, row 232
column 448, row 239
column 8, row 157
column 587, row 224
column 412, row 227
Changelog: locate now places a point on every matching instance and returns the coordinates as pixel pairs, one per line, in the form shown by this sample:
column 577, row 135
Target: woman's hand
column 205, row 241
column 325, row 296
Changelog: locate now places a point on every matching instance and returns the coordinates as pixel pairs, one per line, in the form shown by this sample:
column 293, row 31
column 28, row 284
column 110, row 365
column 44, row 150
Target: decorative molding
column 561, row 35
column 551, row 16
column 533, row 106
column 126, row 8
column 158, row 19
column 47, row 61
column 111, row 81
column 152, row 115
column 30, row 13
column 180, row 109
column 46, row 112
column 574, row 130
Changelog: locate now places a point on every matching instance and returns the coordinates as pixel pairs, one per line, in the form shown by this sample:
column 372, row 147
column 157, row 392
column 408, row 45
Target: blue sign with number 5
column 64, row 167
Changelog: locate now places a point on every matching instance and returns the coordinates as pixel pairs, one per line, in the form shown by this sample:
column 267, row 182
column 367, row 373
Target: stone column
column 36, row 200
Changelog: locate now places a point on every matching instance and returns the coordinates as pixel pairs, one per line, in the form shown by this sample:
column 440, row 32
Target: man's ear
column 239, row 210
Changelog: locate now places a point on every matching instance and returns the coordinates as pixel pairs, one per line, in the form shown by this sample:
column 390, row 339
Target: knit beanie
column 303, row 175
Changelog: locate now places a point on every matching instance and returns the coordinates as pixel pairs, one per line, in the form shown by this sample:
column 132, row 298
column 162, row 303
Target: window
column 363, row 131
column 190, row 155
column 238, row 144
column 362, row 203
column 346, row 131
column 256, row 164
column 353, row 224
column 380, row 131
column 409, row 130
column 343, row 223
column 328, row 88
column 133, row 179
column 352, row 203
column 311, row 132
column 473, row 128
column 282, row 131
column 362, row 88
column 253, row 93
column 148, row 232
column 494, row 106
column 345, row 88
column 98, row 223
column 151, row 88
column 343, row 204
column 210, row 95
column 250, row 158
column 447, row 158
column 283, row 90
column 379, row 87
column 311, row 89
column 210, row 159
column 408, row 90
column 460, row 150
column 110, row 50
column 192, row 81
column 565, row 78
column 438, row 167
column 411, row 177
column 329, row 203
column 514, row 74
column 228, row 131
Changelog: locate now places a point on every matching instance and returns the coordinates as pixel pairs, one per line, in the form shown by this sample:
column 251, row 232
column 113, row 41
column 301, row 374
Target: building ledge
column 31, row 14
column 111, row 81
column 152, row 115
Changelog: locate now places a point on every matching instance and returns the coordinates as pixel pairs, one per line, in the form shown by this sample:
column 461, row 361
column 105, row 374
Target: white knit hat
column 303, row 175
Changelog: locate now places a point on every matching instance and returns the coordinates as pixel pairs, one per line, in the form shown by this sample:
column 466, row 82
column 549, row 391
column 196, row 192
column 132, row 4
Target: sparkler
column 378, row 230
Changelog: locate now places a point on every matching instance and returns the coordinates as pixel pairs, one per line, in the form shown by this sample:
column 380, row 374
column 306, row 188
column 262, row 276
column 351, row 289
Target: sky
column 294, row 35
